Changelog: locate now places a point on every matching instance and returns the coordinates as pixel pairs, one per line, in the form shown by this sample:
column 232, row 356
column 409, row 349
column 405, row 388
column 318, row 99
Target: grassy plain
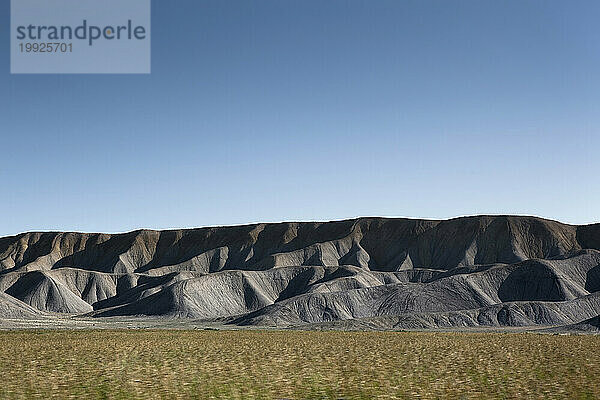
column 296, row 365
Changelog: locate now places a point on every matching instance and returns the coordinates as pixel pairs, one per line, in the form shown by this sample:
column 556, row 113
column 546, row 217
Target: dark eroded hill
column 368, row 273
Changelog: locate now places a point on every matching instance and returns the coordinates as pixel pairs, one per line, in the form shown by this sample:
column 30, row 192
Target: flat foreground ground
column 296, row 365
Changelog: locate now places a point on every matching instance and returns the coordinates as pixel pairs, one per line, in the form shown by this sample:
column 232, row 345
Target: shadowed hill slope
column 487, row 270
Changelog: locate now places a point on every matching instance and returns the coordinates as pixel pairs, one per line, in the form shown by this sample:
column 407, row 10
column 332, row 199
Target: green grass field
column 296, row 365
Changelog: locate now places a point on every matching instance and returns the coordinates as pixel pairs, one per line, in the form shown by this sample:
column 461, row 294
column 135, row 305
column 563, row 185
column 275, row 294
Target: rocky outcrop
column 377, row 272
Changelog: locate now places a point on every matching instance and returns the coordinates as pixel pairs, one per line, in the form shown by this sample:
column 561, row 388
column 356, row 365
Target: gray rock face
column 367, row 273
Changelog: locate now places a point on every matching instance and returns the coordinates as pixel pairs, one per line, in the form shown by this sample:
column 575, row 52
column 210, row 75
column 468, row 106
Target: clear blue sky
column 277, row 110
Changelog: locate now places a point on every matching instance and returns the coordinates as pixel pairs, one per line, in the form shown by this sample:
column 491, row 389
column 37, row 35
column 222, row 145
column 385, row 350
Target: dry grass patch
column 296, row 365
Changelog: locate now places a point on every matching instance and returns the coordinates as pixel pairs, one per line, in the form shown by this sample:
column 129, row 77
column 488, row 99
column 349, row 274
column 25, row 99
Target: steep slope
column 11, row 308
column 376, row 243
column 40, row 291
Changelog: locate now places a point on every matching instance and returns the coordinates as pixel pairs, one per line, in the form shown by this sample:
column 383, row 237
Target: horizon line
column 301, row 221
